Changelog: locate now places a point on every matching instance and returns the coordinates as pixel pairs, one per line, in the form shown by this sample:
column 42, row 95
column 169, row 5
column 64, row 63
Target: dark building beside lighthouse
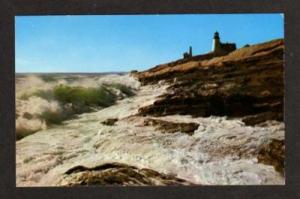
column 189, row 54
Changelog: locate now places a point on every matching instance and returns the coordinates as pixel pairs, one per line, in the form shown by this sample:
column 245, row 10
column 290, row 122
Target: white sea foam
column 204, row 158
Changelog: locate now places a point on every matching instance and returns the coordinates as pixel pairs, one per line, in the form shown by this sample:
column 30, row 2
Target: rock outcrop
column 172, row 127
column 118, row 174
column 272, row 153
column 110, row 121
column 246, row 82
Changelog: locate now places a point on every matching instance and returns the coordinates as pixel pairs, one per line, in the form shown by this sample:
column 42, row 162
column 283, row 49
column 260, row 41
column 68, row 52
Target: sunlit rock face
column 134, row 142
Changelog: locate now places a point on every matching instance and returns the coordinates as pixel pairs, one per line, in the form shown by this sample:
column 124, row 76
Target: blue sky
column 107, row 43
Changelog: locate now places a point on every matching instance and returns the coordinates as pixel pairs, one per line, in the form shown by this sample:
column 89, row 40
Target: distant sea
column 75, row 74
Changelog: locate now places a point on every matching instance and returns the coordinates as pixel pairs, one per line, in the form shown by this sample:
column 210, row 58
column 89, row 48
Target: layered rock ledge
column 246, row 82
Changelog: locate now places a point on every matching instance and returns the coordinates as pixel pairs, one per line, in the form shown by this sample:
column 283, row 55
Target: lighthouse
column 221, row 48
column 216, row 45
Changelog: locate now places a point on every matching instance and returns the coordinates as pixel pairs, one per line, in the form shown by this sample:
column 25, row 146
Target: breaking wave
column 44, row 100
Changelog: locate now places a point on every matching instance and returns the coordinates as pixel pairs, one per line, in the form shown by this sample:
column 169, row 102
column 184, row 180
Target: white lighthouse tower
column 216, row 45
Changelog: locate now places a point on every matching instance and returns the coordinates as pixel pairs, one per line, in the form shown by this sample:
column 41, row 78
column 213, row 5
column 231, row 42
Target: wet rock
column 272, row 153
column 117, row 174
column 172, row 127
column 262, row 117
column 27, row 115
column 110, row 121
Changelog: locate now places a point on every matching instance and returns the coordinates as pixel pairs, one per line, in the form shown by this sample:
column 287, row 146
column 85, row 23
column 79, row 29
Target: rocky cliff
column 246, row 83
